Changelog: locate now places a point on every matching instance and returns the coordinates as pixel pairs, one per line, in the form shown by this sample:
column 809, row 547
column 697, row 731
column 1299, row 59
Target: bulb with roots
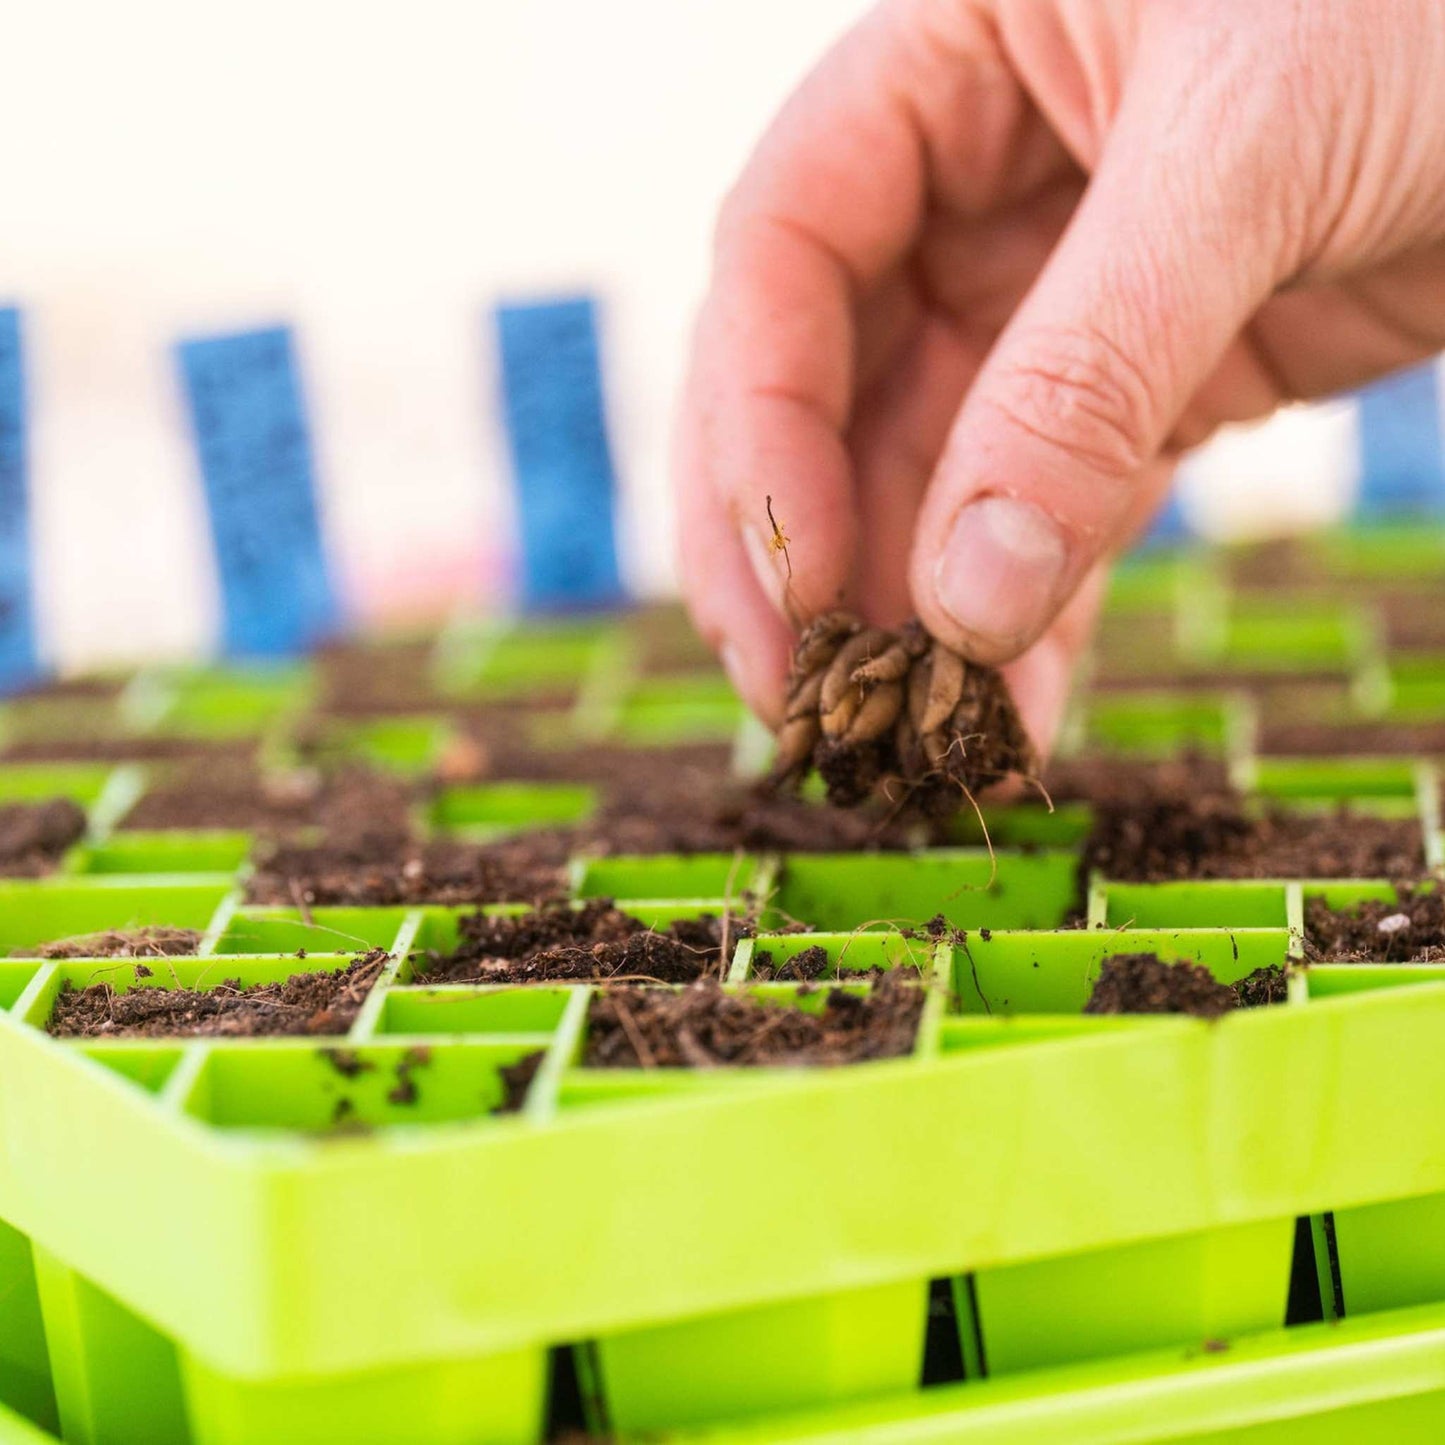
column 873, row 710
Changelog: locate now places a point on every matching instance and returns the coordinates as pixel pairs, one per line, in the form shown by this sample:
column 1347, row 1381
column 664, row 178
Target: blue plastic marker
column 19, row 660
column 1170, row 525
column 251, row 435
column 1402, row 450
column 561, row 461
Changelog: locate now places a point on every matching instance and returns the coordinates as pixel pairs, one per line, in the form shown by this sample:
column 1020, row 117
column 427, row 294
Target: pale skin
column 997, row 263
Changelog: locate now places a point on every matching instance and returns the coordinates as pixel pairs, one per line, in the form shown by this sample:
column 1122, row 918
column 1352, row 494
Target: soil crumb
column 34, row 836
column 703, row 1026
column 1409, row 928
column 810, row 963
column 897, row 713
column 305, row 1004
column 588, row 943
column 132, row 943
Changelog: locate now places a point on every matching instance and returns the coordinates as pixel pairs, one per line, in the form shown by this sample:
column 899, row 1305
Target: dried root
column 868, row 708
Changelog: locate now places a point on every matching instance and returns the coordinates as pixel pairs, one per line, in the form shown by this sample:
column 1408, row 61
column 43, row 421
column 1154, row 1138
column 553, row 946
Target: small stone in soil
column 307, row 1003
column 594, row 941
column 33, row 836
column 1408, row 928
column 133, row 943
column 703, row 1026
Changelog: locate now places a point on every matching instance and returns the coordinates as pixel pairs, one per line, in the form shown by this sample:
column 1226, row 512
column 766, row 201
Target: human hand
column 999, row 262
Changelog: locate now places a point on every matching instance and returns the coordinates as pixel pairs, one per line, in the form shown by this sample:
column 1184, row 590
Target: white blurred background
column 377, row 174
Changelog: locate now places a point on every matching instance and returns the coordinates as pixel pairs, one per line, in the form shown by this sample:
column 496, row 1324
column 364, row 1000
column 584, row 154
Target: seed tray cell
column 491, row 808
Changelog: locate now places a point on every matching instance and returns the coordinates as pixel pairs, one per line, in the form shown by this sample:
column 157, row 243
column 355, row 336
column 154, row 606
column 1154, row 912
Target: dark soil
column 1100, row 777
column 1172, row 833
column 35, row 836
column 702, row 1026
column 1322, row 739
column 811, row 963
column 1262, row 988
column 1142, row 983
column 592, row 942
column 129, row 748
column 307, row 1003
column 90, row 689
column 516, row 1080
column 1410, row 928
column 1413, row 620
column 360, row 681
column 135, row 943
column 667, row 641
column 897, row 714
column 389, row 868
column 225, row 794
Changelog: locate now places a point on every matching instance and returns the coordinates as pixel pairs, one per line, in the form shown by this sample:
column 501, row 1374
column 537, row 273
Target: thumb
column 1055, row 451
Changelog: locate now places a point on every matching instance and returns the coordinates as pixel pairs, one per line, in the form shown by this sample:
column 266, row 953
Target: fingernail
column 999, row 573
column 767, row 566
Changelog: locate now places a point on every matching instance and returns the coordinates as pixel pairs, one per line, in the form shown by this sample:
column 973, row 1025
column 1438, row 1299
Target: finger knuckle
column 1079, row 394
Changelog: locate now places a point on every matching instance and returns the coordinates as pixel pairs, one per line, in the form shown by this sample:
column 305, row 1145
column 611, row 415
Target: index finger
column 826, row 206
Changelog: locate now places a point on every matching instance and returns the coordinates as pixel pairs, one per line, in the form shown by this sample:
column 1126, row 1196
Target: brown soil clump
column 1409, row 928
column 1175, row 831
column 129, row 748
column 593, row 942
column 134, row 943
column 702, row 1026
column 232, row 795
column 812, row 963
column 306, row 1004
column 1142, row 983
column 34, row 836
column 872, row 710
column 1098, row 776
column 1322, row 739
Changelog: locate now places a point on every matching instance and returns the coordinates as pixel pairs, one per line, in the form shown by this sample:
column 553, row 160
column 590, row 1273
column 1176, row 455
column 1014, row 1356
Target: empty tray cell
column 680, row 709
column 36, row 782
column 510, row 807
column 14, row 980
column 50, row 909
column 777, row 1357
column 1054, row 973
column 340, row 1091
column 1223, row 904
column 457, row 1009
column 405, row 745
column 1275, row 637
column 1187, row 1290
column 146, row 1064
column 317, row 930
column 838, row 892
column 1338, row 780
column 234, row 703
column 1331, row 980
column 696, row 875
column 1158, row 724
column 1025, row 825
column 208, row 851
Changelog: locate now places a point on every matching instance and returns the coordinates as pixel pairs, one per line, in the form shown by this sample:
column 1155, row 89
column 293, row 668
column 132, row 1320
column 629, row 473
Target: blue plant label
column 1402, row 449
column 561, row 461
column 249, row 422
column 19, row 662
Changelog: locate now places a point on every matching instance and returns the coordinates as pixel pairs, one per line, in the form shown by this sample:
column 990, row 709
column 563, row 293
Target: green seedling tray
column 162, row 852
column 679, row 709
column 406, row 746
column 487, row 809
column 1161, row 723
column 233, row 703
column 506, row 662
column 83, row 783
